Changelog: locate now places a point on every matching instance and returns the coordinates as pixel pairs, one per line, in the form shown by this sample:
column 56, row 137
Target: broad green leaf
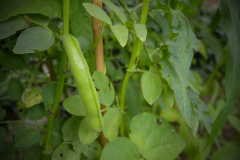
column 48, row 94
column 64, row 153
column 14, row 89
column 235, row 122
column 85, row 133
column 121, row 33
column 230, row 14
column 12, row 61
column 141, row 31
column 2, row 113
column 151, row 85
column 122, row 149
column 84, row 44
column 11, row 26
column 167, row 97
column 129, row 24
column 27, row 139
column 74, row 105
column 91, row 151
column 41, row 19
column 57, row 136
column 118, row 12
column 228, row 151
column 112, row 119
column 36, row 112
column 70, row 128
column 106, row 93
column 31, row 97
column 155, row 137
column 97, row 12
column 34, row 152
column 36, row 38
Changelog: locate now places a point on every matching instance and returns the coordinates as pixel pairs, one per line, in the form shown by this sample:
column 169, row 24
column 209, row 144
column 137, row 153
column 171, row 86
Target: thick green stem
column 136, row 51
column 60, row 82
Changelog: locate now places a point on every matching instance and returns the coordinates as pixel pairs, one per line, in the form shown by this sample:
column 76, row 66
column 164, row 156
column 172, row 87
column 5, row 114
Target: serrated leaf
column 11, row 26
column 151, row 85
column 85, row 133
column 64, row 153
column 155, row 137
column 112, row 119
column 91, row 151
column 97, row 12
column 31, row 97
column 167, row 97
column 121, row 33
column 118, row 12
column 122, row 148
column 230, row 14
column 141, row 31
column 70, row 128
column 74, row 105
column 36, row 38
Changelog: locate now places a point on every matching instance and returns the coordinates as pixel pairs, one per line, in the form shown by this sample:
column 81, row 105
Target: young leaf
column 36, row 38
column 118, row 12
column 230, row 14
column 64, row 153
column 97, row 12
column 112, row 119
column 11, row 26
column 121, row 33
column 123, row 148
column 74, row 105
column 141, row 31
column 86, row 135
column 151, row 85
column 70, row 128
column 155, row 137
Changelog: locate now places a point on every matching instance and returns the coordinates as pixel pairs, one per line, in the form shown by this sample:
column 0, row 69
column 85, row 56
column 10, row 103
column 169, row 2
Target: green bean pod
column 81, row 74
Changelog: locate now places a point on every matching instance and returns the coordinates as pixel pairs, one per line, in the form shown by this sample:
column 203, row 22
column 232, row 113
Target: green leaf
column 48, row 94
column 27, row 138
column 122, row 148
column 167, row 97
column 106, row 93
column 141, row 31
column 91, row 151
column 118, row 12
column 155, row 137
column 115, row 74
column 112, row 119
column 121, row 33
column 31, row 97
column 14, row 89
column 36, row 112
column 86, row 135
column 228, row 151
column 84, row 44
column 97, row 12
column 11, row 26
column 74, row 105
column 70, row 128
column 3, row 135
column 64, row 153
column 56, row 132
column 36, row 38
column 34, row 152
column 151, row 85
column 12, row 61
column 2, row 113
column 230, row 14
column 234, row 121
column 39, row 18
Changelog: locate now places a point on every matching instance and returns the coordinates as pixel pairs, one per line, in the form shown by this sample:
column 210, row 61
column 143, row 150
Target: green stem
column 136, row 51
column 100, row 36
column 43, row 27
column 60, row 82
column 33, row 74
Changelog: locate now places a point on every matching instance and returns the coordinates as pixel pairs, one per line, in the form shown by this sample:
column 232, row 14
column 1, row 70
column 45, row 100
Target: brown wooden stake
column 99, row 57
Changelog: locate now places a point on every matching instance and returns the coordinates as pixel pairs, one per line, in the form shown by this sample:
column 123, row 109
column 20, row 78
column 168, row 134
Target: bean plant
column 167, row 83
